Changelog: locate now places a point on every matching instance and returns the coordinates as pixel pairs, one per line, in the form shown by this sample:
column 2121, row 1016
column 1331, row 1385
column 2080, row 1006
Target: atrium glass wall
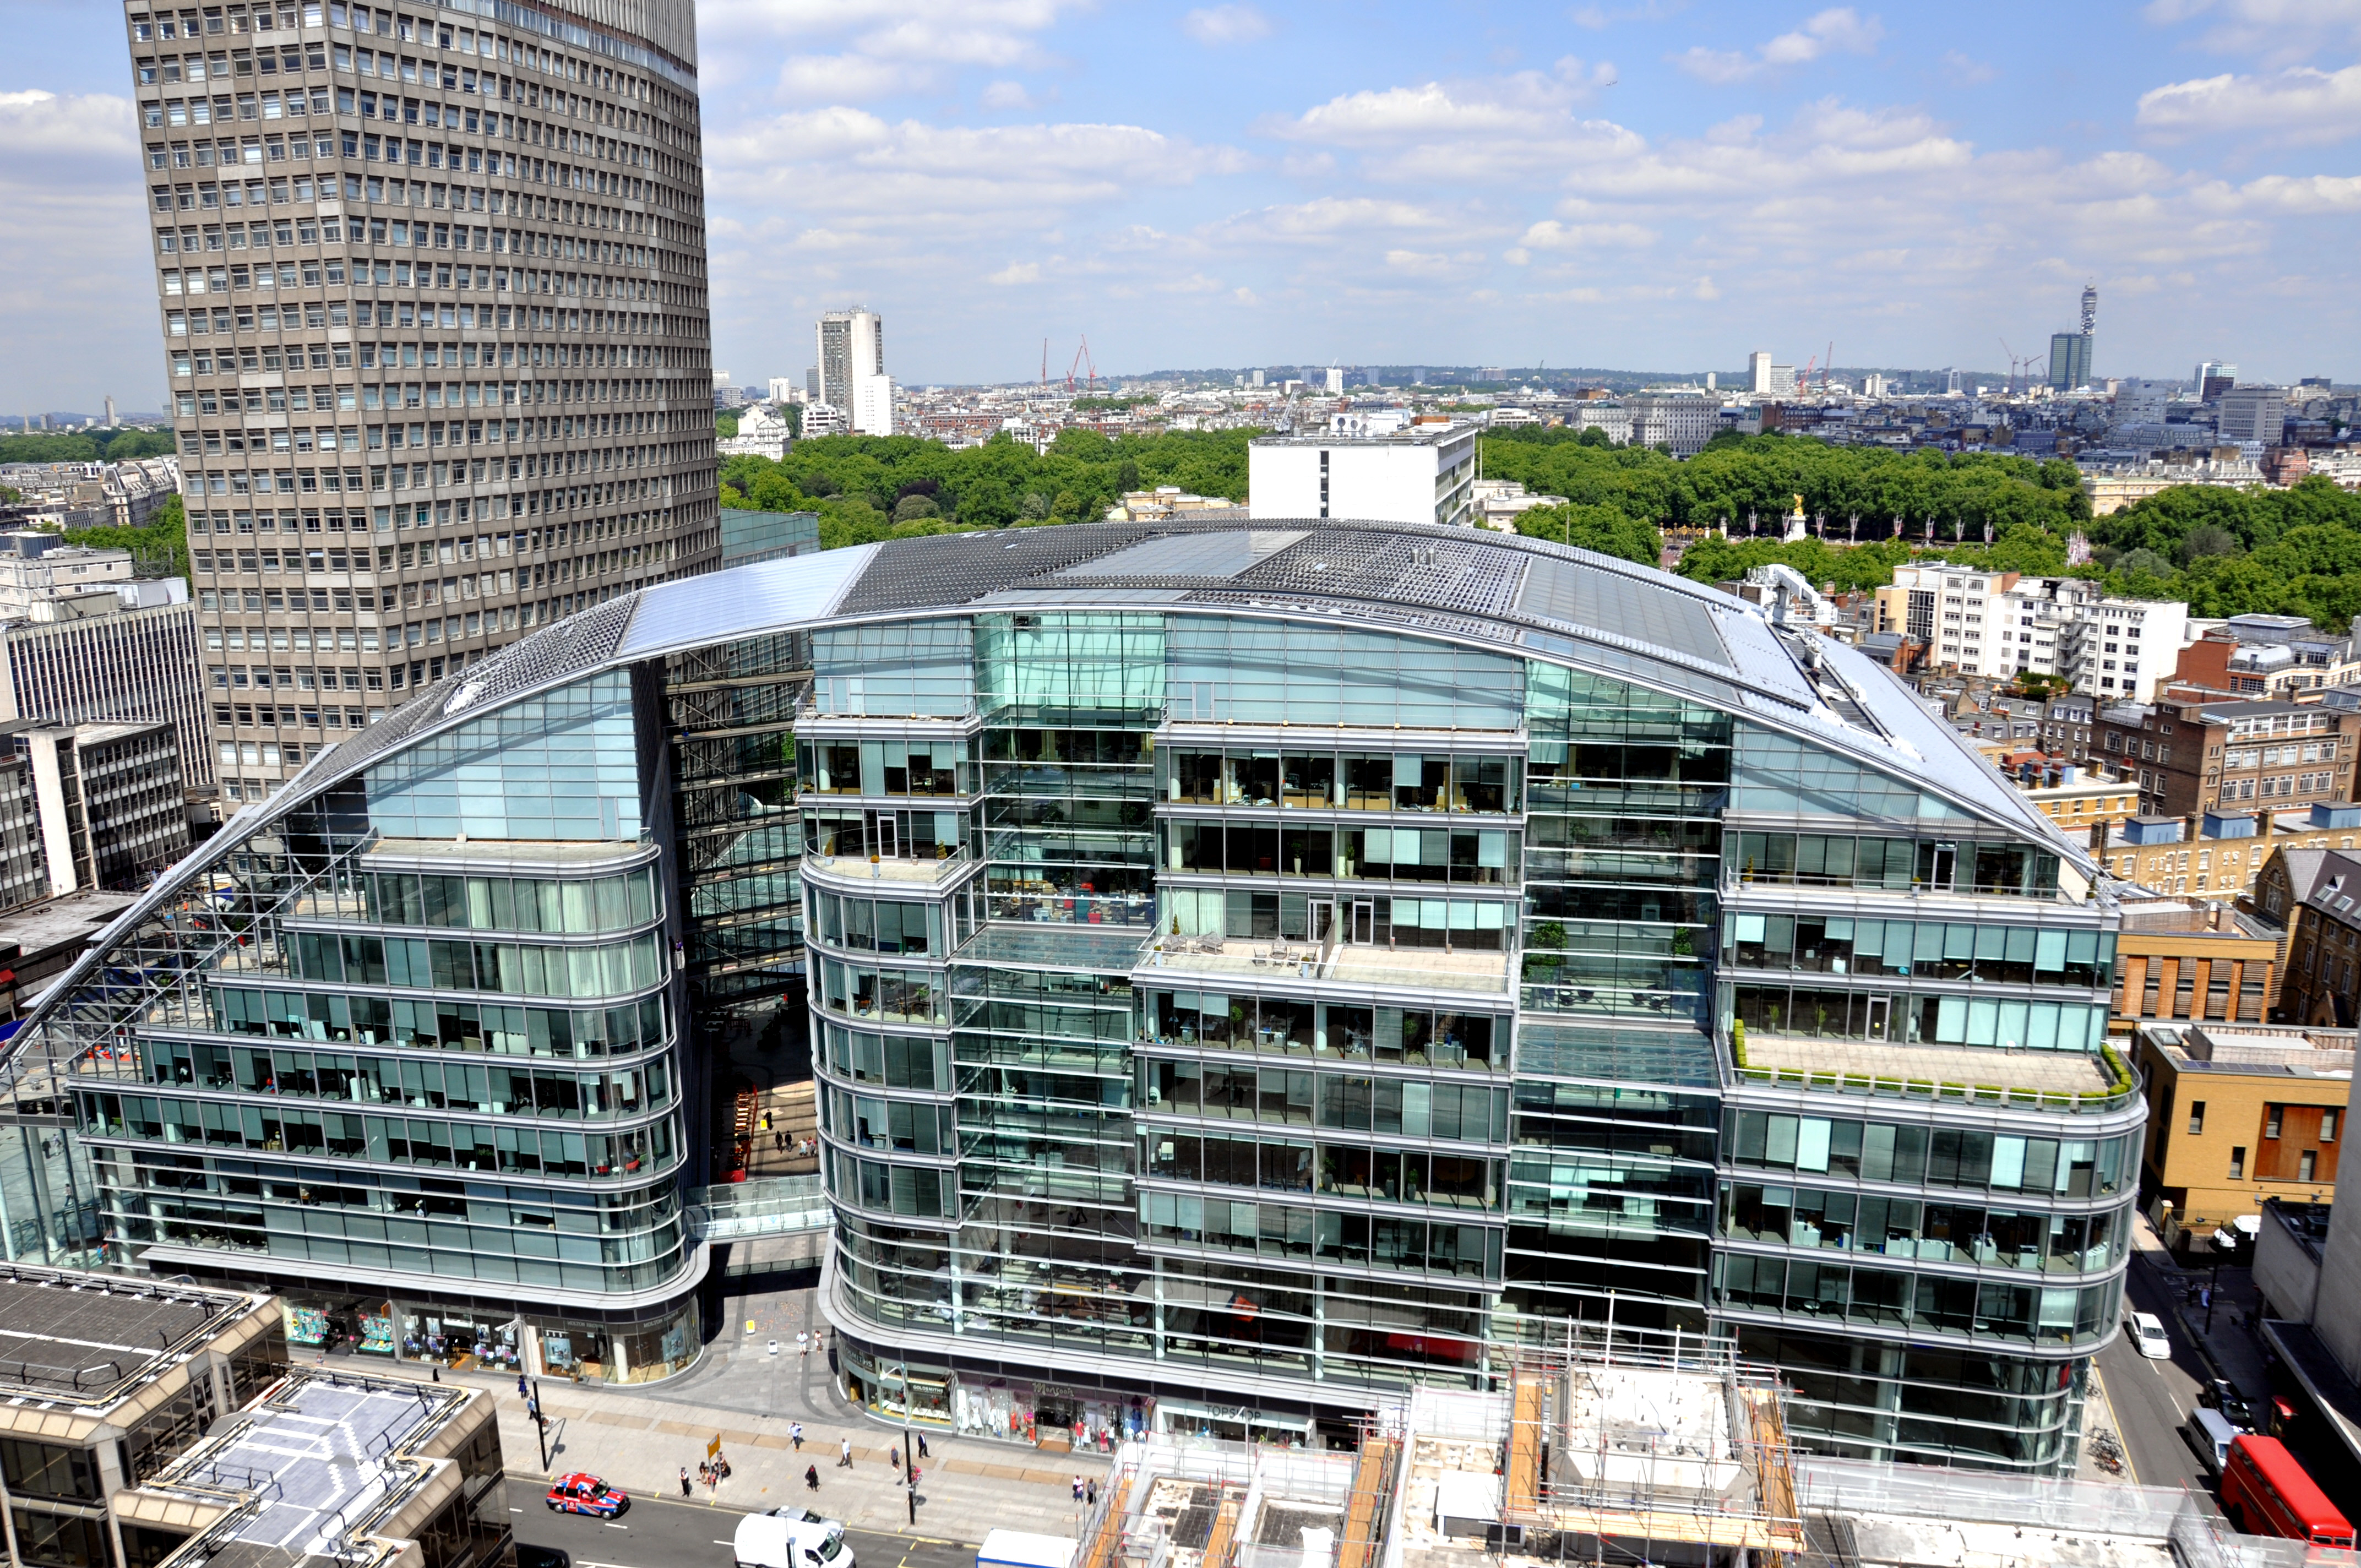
column 415, row 1033
column 1924, row 1197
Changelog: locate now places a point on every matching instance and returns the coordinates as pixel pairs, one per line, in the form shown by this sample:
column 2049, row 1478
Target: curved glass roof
column 1523, row 595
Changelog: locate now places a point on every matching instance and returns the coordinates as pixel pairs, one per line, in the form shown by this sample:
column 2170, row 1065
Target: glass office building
column 1250, row 970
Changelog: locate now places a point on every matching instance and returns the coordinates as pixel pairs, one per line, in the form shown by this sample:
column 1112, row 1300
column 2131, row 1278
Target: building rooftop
column 313, row 1469
column 2041, row 1073
column 1408, row 435
column 83, row 1339
column 2294, row 1053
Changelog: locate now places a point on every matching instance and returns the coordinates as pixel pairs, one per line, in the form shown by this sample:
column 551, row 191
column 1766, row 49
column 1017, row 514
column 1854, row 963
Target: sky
column 1642, row 184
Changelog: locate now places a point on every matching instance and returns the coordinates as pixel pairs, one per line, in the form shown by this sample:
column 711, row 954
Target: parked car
column 2147, row 1333
column 585, row 1494
column 2221, row 1394
column 542, row 1557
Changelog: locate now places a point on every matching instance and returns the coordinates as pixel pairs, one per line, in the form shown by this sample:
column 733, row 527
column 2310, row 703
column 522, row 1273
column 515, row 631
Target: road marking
column 610, row 1524
column 516, row 1510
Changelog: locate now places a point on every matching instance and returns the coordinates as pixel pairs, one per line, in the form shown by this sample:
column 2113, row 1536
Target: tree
column 159, row 546
column 916, row 506
column 1600, row 528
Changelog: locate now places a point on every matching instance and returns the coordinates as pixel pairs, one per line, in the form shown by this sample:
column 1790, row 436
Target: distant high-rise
column 2070, row 352
column 1757, row 372
column 2214, row 377
column 2069, row 361
column 852, row 369
column 432, row 297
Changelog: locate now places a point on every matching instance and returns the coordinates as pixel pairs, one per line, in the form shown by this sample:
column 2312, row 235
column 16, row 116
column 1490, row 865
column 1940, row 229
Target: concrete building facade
column 1418, row 474
column 422, row 411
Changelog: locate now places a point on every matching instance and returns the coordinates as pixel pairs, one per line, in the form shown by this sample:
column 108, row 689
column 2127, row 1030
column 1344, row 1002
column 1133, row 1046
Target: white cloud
column 79, row 318
column 2302, row 104
column 1227, row 25
column 1837, row 30
column 1006, row 95
column 1016, row 272
column 849, row 78
column 1552, row 235
column 2279, row 31
column 1963, row 71
column 1528, row 103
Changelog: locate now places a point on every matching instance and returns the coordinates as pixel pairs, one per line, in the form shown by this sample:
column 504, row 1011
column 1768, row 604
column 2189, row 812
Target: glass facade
column 1243, row 1010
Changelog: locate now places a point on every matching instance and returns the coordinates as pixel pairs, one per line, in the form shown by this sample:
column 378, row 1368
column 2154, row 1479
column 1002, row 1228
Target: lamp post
column 909, row 1460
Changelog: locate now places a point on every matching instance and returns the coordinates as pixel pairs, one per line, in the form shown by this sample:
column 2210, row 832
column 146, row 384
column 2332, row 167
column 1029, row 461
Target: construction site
column 1600, row 1454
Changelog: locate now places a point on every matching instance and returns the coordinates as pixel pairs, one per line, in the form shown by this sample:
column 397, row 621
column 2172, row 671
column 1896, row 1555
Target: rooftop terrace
column 83, row 1339
column 2048, row 1081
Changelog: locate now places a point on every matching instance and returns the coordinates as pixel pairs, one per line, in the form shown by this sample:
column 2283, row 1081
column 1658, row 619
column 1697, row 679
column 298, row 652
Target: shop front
column 631, row 1352
column 1057, row 1416
column 464, row 1339
column 1052, row 1416
column 338, row 1326
column 1191, row 1421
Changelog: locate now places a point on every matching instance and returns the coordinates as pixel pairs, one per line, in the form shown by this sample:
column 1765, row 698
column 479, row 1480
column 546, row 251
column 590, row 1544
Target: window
column 2196, row 1113
column 2271, row 1120
column 2238, row 1163
column 2328, row 1126
column 2303, row 1165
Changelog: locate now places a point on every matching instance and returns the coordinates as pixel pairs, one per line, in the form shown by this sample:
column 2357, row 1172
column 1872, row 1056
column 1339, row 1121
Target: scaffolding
column 1653, row 1456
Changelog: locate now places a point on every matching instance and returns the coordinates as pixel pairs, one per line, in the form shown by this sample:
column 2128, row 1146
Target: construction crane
column 1045, row 364
column 1082, row 359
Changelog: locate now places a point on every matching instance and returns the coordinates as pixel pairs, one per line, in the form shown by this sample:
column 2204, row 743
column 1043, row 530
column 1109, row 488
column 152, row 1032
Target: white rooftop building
column 1419, row 474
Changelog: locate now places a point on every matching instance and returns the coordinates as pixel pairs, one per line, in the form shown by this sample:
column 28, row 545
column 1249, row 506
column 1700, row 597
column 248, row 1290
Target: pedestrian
column 684, row 1481
column 811, row 1477
column 894, row 1457
column 844, row 1459
column 704, row 1474
column 796, row 1435
column 803, row 1342
column 2205, row 1295
column 435, row 1372
column 922, row 1446
column 520, row 1394
column 1090, row 1493
column 1077, row 1488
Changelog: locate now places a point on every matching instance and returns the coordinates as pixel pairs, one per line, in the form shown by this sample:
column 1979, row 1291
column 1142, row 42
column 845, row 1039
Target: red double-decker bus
column 2266, row 1492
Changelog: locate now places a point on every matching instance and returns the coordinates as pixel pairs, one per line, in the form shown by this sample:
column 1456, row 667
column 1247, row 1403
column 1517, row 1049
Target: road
column 659, row 1533
column 2152, row 1398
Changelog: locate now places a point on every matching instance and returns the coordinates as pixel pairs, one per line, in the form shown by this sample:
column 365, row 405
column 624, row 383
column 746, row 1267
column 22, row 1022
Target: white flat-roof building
column 1423, row 474
column 1998, row 623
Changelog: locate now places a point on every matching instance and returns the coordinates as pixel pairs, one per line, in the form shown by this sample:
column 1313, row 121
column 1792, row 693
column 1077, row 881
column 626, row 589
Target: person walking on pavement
column 844, row 1458
column 520, row 1393
column 811, row 1477
column 796, row 1435
column 684, row 1481
column 1090, row 1493
column 922, row 1446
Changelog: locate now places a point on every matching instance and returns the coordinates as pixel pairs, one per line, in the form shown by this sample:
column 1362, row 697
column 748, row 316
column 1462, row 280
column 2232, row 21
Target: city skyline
column 1614, row 185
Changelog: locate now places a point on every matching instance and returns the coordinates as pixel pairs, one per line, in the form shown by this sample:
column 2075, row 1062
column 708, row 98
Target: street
column 668, row 1533
column 2151, row 1398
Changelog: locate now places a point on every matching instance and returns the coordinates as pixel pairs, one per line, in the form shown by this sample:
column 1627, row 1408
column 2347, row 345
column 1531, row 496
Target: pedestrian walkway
column 2229, row 1336
column 642, row 1445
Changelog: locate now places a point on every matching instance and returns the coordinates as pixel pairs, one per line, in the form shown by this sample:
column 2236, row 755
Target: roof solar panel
column 1575, row 594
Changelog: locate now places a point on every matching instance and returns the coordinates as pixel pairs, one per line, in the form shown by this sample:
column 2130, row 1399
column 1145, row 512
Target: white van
column 773, row 1541
column 2211, row 1434
column 1018, row 1549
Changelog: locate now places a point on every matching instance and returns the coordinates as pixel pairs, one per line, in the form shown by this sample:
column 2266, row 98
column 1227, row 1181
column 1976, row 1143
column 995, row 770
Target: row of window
column 1909, row 1227
column 1349, row 781
column 1820, row 859
column 1400, row 854
column 1467, row 925
column 1335, row 1170
column 1779, row 1009
column 488, row 1088
column 400, row 1140
column 880, row 925
column 611, row 969
column 556, row 1033
column 899, row 1125
column 2023, row 1314
column 1931, row 949
column 887, row 767
column 1285, row 1232
column 892, row 1062
column 1927, row 1156
column 1415, row 1036
column 1466, row 1112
